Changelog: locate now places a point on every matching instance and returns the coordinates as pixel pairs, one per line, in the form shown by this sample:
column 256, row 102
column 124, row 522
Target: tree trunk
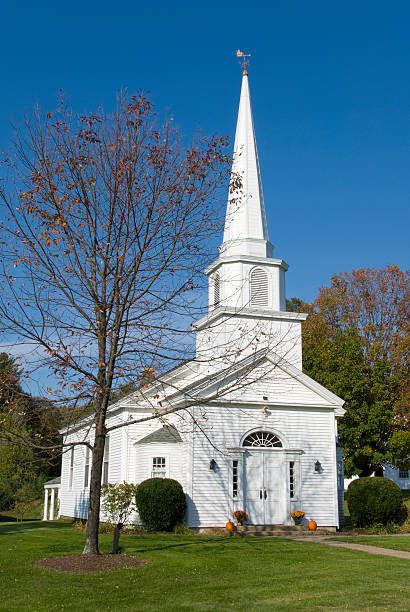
column 116, row 539
column 91, row 546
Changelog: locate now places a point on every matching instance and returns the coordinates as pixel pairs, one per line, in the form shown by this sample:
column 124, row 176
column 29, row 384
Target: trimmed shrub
column 374, row 501
column 161, row 503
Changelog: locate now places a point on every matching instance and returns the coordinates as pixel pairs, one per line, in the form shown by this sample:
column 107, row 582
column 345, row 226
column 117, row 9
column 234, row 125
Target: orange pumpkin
column 230, row 527
column 312, row 525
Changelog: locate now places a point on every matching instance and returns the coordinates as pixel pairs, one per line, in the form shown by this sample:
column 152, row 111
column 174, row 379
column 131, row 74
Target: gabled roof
column 165, row 435
column 287, row 385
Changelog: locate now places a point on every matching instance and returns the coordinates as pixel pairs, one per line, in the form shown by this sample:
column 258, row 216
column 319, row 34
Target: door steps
column 282, row 530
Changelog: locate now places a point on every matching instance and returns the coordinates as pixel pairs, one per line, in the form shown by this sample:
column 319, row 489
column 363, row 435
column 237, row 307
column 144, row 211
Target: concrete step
column 281, row 530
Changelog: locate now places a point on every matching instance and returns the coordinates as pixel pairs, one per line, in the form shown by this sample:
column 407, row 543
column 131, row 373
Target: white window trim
column 296, row 477
column 105, row 476
column 216, row 290
column 87, row 468
column 166, row 456
column 71, row 469
column 239, row 458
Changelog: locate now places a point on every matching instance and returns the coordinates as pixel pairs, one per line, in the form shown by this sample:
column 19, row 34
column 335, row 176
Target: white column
column 53, row 492
column 58, row 502
column 45, row 509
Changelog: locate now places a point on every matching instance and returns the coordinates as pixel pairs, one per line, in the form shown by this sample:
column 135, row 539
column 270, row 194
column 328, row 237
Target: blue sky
column 331, row 96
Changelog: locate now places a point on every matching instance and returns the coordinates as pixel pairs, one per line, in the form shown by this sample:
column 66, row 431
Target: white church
column 240, row 426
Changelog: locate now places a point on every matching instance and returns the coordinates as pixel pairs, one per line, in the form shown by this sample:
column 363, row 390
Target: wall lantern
column 318, row 467
column 212, row 464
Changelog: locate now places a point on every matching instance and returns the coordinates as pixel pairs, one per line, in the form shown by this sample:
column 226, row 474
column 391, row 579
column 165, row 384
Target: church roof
column 165, row 435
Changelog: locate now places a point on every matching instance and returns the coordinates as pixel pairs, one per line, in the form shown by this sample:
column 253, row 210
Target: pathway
column 373, row 550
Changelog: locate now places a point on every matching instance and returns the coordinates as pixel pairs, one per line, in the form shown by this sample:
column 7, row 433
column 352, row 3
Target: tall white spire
column 246, row 231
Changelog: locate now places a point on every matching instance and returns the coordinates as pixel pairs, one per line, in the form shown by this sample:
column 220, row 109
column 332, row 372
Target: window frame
column 71, row 468
column 216, row 286
column 87, row 467
column 235, row 479
column 165, row 470
column 264, row 432
column 106, row 462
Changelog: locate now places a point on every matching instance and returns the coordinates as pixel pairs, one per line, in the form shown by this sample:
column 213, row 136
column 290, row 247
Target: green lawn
column 197, row 573
column 396, row 542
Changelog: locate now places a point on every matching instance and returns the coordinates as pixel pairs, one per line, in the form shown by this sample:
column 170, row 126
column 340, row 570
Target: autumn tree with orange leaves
column 356, row 343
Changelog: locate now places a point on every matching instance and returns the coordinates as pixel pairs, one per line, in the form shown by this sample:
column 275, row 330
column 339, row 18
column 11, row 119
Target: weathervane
column 243, row 61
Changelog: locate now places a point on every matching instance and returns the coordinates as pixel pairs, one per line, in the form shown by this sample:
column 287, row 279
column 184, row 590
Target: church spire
column 246, row 231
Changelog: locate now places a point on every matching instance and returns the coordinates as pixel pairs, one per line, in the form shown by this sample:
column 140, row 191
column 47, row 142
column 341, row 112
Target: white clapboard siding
column 74, row 499
column 311, row 431
column 174, row 454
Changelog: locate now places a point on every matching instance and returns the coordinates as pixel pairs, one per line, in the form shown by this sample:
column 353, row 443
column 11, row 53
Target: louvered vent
column 217, row 290
column 259, row 288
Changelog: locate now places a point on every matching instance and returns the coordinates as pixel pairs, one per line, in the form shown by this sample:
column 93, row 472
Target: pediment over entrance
column 273, row 381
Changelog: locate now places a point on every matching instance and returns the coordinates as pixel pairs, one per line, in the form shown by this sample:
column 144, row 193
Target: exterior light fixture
column 318, row 467
column 212, row 464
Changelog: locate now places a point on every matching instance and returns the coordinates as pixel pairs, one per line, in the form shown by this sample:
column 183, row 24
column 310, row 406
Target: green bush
column 374, row 501
column 161, row 503
column 6, row 500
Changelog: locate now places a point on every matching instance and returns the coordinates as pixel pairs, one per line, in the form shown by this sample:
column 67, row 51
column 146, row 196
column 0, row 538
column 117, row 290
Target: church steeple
column 247, row 303
column 246, row 231
column 245, row 276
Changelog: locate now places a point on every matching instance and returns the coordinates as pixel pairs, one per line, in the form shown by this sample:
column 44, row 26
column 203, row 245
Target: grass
column 399, row 542
column 197, row 573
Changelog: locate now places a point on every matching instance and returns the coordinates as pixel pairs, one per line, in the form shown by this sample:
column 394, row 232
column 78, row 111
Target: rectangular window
column 159, row 467
column 106, row 461
column 87, row 467
column 235, row 478
column 403, row 473
column 292, row 480
column 71, row 474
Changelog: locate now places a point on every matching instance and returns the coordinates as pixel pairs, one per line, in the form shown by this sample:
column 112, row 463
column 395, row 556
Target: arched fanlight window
column 217, row 289
column 262, row 439
column 259, row 289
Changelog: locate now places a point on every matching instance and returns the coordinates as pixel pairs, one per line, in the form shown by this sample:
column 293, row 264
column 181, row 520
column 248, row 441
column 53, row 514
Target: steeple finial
column 243, row 61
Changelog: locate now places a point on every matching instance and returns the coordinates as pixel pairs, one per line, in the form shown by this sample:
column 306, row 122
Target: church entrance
column 264, row 480
column 265, row 488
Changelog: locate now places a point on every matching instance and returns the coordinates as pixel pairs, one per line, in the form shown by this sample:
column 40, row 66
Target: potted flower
column 298, row 516
column 240, row 516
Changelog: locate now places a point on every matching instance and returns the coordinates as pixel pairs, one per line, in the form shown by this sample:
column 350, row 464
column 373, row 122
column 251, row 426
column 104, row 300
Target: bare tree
column 107, row 228
column 106, row 222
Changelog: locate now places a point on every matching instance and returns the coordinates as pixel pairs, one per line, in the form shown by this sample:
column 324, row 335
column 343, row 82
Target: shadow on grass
column 30, row 525
column 201, row 542
column 4, row 518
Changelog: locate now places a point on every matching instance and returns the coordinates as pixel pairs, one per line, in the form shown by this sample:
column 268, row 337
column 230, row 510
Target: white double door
column 265, row 488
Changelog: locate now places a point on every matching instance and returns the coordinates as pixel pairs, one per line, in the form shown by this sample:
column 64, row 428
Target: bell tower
column 246, row 283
